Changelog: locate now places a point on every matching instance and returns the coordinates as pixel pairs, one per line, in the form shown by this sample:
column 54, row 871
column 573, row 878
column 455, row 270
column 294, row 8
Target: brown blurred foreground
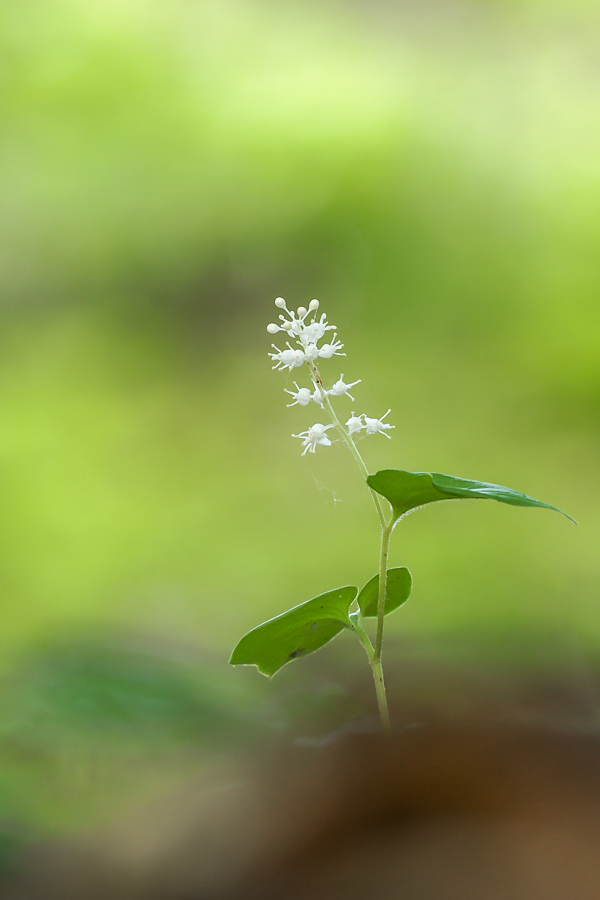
column 443, row 810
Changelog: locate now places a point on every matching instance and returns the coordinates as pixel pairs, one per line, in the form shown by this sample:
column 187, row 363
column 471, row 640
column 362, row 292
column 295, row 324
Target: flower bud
column 280, row 302
column 273, row 328
column 302, row 310
column 314, row 304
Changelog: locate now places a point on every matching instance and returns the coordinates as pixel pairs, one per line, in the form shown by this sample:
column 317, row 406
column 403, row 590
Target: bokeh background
column 431, row 172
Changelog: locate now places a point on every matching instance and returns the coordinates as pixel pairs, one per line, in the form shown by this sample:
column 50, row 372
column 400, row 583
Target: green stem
column 377, row 670
column 374, row 654
column 383, row 556
column 384, row 714
column 347, row 438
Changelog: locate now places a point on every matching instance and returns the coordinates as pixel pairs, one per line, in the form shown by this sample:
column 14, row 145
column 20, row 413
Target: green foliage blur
column 430, row 172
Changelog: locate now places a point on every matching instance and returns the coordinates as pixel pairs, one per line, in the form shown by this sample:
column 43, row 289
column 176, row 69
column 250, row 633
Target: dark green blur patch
column 295, row 633
column 409, row 490
column 398, row 588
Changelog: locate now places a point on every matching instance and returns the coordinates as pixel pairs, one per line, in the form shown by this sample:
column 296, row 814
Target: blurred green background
column 430, row 172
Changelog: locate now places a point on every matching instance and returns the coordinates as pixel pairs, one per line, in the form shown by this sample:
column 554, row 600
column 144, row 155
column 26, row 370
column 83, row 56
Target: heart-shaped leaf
column 295, row 633
column 408, row 490
column 398, row 588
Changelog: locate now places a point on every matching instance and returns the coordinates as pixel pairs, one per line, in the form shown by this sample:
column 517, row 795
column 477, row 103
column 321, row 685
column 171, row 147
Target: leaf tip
column 563, row 513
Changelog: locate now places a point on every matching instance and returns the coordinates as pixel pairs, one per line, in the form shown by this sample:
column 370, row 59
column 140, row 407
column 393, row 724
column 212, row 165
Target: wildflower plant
column 395, row 492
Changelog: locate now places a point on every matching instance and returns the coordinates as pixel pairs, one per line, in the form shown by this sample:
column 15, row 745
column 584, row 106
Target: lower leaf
column 295, row 633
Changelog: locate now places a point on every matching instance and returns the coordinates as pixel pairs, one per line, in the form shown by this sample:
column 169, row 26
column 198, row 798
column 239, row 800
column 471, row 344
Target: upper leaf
column 408, row 490
column 297, row 632
column 398, row 588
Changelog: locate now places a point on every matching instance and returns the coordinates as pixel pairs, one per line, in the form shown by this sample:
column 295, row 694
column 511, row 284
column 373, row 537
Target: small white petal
column 317, row 395
column 354, row 424
column 333, row 349
column 301, row 396
column 299, row 358
column 287, row 359
column 314, row 436
column 378, row 425
column 340, row 387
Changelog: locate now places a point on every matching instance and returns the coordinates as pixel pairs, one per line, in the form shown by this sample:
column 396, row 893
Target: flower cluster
column 306, row 335
column 306, row 331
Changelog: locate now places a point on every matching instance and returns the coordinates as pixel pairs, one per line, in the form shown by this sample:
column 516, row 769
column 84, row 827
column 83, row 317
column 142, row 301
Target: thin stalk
column 383, row 555
column 347, row 438
column 384, row 713
column 373, row 654
column 377, row 670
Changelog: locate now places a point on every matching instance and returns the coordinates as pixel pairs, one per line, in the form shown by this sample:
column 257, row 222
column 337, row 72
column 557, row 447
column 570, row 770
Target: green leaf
column 295, row 633
column 408, row 490
column 398, row 587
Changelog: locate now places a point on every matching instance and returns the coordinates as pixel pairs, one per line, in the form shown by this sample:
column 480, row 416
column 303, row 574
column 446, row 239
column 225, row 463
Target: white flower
column 314, row 331
column 354, row 424
column 311, row 352
column 318, row 394
column 301, row 396
column 287, row 359
column 315, row 435
column 340, row 388
column 374, row 425
column 333, row 349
